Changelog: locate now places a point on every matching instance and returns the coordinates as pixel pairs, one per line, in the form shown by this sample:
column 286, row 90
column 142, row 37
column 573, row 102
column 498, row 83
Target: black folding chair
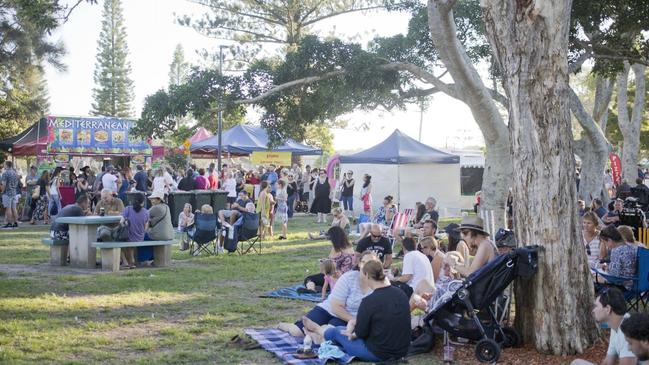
column 204, row 238
column 245, row 236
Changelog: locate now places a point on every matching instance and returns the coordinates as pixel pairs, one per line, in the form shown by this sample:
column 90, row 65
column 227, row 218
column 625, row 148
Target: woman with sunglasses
column 322, row 202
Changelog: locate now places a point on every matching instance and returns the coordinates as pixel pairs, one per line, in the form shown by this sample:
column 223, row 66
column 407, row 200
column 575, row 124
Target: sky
column 152, row 36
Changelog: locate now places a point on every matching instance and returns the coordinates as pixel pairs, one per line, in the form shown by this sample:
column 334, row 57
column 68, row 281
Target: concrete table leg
column 110, row 259
column 162, row 255
column 81, row 253
column 58, row 255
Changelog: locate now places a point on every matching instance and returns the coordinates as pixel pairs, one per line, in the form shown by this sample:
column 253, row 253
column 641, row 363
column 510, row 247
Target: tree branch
column 315, row 20
column 576, row 66
column 249, row 15
column 448, row 89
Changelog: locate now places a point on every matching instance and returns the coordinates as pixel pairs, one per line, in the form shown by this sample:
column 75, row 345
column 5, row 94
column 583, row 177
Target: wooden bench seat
column 58, row 250
column 110, row 252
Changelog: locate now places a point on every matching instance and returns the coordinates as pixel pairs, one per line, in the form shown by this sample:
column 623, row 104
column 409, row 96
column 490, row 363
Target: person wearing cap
column 160, row 227
column 473, row 233
column 613, row 216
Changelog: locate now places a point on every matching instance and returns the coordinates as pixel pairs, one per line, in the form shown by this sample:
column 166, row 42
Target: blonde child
column 331, row 275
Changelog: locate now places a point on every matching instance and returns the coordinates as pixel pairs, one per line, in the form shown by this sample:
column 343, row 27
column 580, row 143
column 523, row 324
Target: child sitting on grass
column 331, row 275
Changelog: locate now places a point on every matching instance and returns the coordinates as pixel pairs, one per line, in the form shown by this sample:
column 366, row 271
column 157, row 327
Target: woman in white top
column 594, row 250
column 230, row 185
column 163, row 181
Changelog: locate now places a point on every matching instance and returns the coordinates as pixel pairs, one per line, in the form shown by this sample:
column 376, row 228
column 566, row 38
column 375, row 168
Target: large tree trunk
column 470, row 89
column 630, row 127
column 530, row 40
column 592, row 148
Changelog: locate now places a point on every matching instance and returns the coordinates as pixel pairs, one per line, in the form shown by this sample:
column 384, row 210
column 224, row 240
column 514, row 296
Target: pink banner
column 616, row 168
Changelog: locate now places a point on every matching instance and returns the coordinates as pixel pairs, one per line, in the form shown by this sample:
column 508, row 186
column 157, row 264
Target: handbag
column 121, row 232
column 423, row 343
column 36, row 193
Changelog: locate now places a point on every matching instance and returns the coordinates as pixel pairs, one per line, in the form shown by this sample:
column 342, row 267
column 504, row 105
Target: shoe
column 282, row 238
column 15, row 225
column 8, row 226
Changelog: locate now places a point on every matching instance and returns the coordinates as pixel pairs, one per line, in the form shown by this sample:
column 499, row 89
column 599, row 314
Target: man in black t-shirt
column 59, row 231
column 141, row 179
column 187, row 183
column 376, row 243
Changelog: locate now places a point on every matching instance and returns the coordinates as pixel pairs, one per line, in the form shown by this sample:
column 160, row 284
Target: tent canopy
column 244, row 139
column 398, row 148
column 201, row 134
column 28, row 142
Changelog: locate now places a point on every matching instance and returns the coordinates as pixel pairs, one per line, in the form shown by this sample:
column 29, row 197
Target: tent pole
column 398, row 187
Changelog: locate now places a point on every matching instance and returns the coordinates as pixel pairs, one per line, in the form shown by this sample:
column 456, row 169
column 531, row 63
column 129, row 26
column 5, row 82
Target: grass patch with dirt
column 182, row 314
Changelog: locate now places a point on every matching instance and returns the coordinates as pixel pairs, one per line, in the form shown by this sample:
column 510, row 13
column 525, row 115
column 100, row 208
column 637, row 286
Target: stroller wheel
column 512, row 338
column 487, row 350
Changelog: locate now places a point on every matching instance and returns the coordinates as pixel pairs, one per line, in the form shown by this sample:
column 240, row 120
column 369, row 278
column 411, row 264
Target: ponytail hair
column 374, row 270
column 138, row 202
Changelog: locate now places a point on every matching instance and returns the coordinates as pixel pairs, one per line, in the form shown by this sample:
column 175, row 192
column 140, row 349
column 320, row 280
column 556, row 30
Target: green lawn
column 182, row 314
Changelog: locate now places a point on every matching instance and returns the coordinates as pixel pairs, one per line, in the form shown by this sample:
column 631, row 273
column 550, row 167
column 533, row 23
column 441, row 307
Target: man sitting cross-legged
column 377, row 244
column 609, row 307
column 236, row 209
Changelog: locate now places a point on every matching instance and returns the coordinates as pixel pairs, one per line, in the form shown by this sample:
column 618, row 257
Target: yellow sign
column 271, row 157
column 186, row 146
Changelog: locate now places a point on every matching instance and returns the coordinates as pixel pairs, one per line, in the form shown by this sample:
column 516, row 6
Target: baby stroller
column 462, row 313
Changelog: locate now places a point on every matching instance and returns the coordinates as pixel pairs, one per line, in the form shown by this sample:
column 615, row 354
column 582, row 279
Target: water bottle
column 448, row 350
column 102, row 211
column 306, row 345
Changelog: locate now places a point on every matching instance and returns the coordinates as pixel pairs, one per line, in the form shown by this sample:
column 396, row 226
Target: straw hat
column 159, row 194
column 474, row 224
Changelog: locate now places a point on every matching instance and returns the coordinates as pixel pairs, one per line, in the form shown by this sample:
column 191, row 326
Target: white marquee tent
column 408, row 170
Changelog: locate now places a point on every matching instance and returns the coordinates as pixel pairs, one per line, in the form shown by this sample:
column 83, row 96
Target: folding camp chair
column 243, row 236
column 399, row 221
column 643, row 236
column 638, row 292
column 203, row 238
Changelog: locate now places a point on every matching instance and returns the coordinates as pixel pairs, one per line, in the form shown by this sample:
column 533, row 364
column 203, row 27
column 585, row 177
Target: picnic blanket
column 291, row 293
column 284, row 346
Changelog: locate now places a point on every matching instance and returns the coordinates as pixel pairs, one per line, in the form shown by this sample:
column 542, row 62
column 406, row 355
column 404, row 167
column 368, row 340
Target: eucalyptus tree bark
column 630, row 127
column 470, row 89
column 603, row 94
column 530, row 41
column 593, row 148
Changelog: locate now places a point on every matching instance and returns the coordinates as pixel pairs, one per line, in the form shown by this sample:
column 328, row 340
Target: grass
column 177, row 315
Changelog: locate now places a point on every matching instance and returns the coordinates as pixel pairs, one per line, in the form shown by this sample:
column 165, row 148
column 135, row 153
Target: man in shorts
column 9, row 184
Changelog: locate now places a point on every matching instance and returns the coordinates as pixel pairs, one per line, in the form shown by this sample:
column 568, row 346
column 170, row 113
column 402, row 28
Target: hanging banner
column 616, row 168
column 93, row 136
column 270, row 157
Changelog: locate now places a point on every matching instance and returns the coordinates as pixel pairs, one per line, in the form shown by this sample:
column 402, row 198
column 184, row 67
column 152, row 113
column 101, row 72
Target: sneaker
column 8, row 226
column 15, row 225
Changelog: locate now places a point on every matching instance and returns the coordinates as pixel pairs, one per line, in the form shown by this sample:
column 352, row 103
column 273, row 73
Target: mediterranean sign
column 271, row 157
column 93, row 136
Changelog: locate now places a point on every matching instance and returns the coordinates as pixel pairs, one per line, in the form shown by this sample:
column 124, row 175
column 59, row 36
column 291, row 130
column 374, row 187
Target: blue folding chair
column 203, row 238
column 635, row 289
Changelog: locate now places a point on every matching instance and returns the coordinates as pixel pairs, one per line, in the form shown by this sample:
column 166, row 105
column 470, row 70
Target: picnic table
column 83, row 231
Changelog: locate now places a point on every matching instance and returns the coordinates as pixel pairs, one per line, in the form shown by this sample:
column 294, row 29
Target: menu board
column 93, row 136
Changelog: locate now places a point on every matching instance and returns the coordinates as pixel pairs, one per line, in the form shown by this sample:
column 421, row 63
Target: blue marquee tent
column 244, row 139
column 398, row 148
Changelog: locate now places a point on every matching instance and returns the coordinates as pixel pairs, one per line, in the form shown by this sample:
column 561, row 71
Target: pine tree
column 178, row 69
column 113, row 93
